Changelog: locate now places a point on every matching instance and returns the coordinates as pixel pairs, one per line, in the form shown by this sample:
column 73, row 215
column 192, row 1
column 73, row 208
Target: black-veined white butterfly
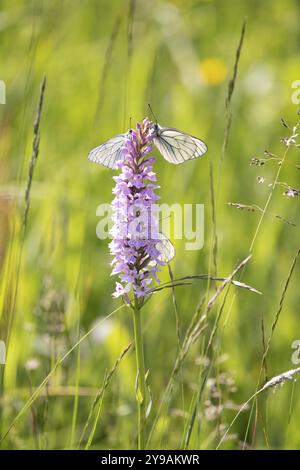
column 166, row 248
column 174, row 145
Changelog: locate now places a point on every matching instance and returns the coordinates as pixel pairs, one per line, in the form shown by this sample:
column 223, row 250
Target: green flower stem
column 141, row 381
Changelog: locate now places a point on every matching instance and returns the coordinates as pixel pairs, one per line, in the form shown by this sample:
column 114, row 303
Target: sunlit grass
column 67, row 378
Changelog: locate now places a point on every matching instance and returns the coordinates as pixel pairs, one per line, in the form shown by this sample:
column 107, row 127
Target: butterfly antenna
column 151, row 111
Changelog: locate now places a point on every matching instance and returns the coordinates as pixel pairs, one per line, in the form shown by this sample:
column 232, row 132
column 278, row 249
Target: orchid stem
column 141, row 380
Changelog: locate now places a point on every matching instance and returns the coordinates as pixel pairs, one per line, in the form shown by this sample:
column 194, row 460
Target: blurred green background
column 103, row 62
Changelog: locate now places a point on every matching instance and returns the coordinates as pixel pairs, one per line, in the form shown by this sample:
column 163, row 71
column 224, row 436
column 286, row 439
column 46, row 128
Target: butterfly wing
column 176, row 146
column 108, row 153
column 201, row 147
column 166, row 248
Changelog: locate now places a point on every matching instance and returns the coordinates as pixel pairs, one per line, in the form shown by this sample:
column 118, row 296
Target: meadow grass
column 219, row 327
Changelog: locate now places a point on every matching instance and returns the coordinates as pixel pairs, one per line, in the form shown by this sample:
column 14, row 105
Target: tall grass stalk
column 263, row 364
column 12, row 293
column 197, row 326
column 228, row 119
column 100, row 394
column 92, row 433
column 276, row 381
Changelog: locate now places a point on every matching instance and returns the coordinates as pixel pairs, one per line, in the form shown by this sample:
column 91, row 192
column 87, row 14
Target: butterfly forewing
column 176, row 146
column 108, row 153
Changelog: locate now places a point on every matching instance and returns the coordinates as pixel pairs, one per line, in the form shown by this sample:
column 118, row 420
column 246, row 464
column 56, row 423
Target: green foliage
column 104, row 61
